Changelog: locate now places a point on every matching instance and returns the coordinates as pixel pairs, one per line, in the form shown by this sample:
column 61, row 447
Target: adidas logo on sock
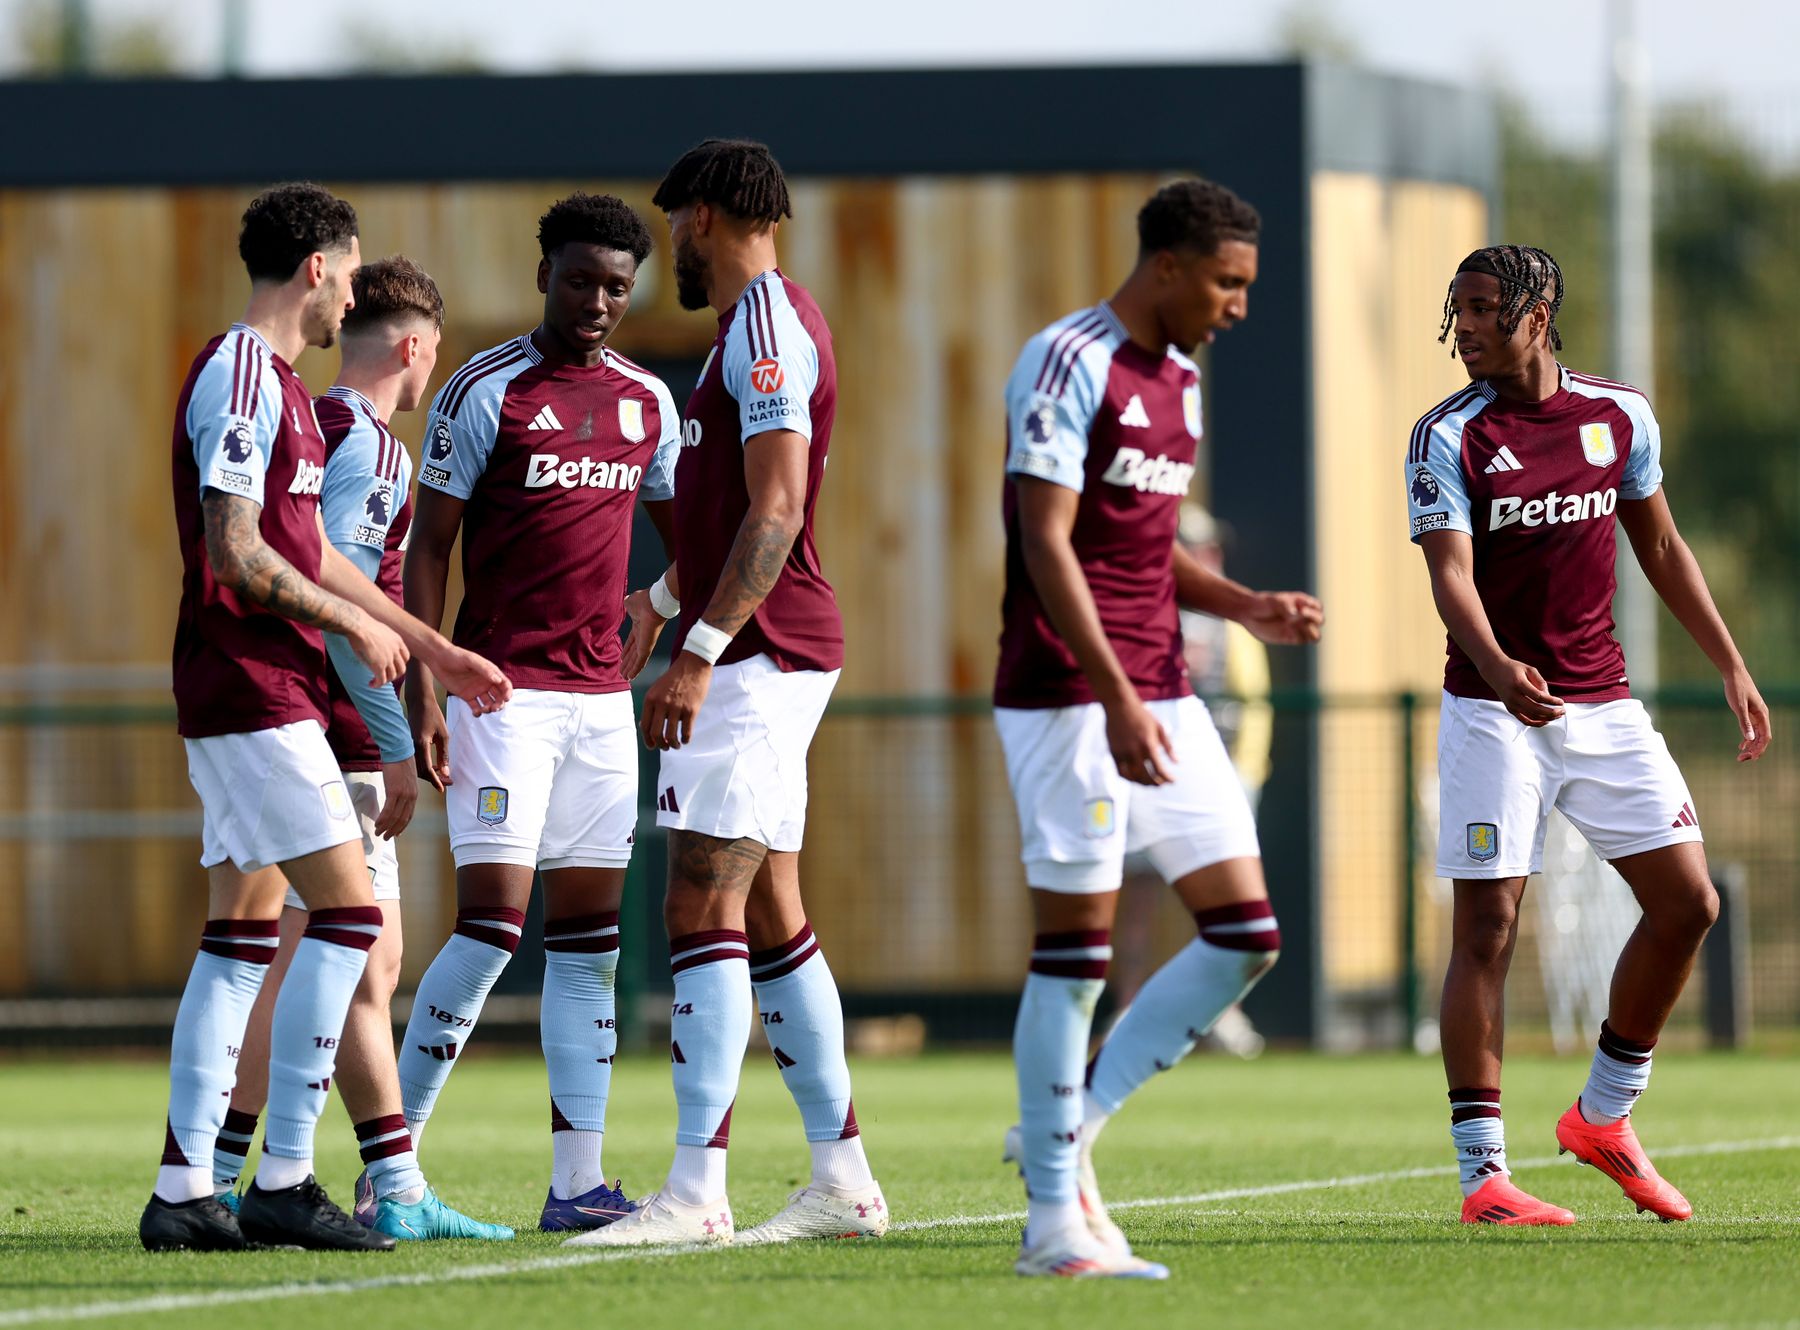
column 447, row 1053
column 1503, row 461
column 545, row 419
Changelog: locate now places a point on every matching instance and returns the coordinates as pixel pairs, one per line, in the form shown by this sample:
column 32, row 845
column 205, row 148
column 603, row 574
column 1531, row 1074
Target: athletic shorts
column 368, row 790
column 1078, row 817
column 744, row 773
column 269, row 796
column 549, row 781
column 1602, row 764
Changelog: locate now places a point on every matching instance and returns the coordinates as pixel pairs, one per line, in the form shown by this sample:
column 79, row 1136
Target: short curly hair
column 739, row 175
column 390, row 290
column 594, row 219
column 1195, row 215
column 284, row 224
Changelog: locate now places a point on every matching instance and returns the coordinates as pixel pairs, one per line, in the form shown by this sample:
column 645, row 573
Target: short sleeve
column 1643, row 466
column 1048, row 420
column 1437, row 497
column 457, row 447
column 659, row 476
column 771, row 365
column 233, row 417
column 358, row 502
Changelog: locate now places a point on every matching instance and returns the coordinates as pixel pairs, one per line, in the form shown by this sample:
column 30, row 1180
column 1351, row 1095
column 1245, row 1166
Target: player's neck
column 1131, row 306
column 1538, row 378
column 278, row 318
column 735, row 267
column 382, row 389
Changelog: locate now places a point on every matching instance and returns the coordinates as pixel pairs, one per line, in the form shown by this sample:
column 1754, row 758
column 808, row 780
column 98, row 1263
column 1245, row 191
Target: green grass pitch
column 1263, row 1239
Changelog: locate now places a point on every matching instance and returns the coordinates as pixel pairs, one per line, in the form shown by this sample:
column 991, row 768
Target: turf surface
column 1279, row 1247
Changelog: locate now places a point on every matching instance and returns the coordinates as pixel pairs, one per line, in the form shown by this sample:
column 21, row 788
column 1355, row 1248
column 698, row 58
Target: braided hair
column 1528, row 278
column 738, row 175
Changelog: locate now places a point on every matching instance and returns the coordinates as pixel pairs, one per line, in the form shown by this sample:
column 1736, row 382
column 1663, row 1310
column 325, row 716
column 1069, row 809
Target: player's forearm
column 423, row 581
column 1064, row 592
column 1675, row 574
column 243, row 561
column 758, row 555
column 1199, row 588
column 378, row 705
column 1459, row 606
column 345, row 579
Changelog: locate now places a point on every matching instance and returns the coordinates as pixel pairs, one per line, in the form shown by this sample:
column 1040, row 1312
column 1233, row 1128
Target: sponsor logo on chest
column 309, row 478
column 1132, row 468
column 548, row 471
column 1552, row 509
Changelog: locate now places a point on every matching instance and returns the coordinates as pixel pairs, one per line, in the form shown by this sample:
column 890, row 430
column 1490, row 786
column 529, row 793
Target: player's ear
column 315, row 267
column 409, row 350
column 543, row 277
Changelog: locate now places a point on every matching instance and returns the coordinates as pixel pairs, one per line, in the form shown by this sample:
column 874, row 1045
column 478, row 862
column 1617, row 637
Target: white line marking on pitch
column 169, row 1302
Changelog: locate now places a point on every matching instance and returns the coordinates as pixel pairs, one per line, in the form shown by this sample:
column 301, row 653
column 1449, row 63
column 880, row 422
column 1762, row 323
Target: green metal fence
column 911, row 871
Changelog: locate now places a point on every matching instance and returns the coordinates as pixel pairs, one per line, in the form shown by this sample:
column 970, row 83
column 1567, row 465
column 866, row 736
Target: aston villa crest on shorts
column 1100, row 820
column 1597, row 444
column 490, row 804
column 1484, row 841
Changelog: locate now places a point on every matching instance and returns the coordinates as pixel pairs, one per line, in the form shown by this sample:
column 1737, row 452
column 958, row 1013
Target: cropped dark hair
column 285, row 224
column 392, row 289
column 738, row 175
column 1195, row 215
column 1528, row 278
column 594, row 219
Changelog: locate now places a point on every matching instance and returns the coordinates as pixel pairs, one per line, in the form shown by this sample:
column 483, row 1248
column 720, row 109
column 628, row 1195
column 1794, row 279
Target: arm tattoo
column 757, row 558
column 242, row 560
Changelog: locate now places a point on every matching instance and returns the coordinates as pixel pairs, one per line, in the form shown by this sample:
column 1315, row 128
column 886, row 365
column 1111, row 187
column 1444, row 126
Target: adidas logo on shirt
column 1503, row 461
column 545, row 419
column 1134, row 414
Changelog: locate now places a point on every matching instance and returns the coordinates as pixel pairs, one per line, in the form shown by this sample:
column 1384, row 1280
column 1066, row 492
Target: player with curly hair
column 538, row 452
column 1107, row 749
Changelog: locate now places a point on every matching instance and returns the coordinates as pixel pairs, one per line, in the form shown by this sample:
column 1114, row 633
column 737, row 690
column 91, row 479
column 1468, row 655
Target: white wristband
column 661, row 600
column 706, row 642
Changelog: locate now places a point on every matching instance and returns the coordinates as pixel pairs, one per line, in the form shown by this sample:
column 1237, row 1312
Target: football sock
column 709, row 1029
column 1620, row 1073
column 449, row 1002
column 1050, row 1038
column 1480, row 1138
column 581, row 959
column 303, row 1038
column 804, row 1021
column 1181, row 1001
column 232, row 1149
column 215, row 1007
column 388, row 1158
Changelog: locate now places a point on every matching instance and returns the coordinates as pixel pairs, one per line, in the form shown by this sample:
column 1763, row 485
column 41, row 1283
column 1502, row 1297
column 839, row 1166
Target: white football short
column 368, row 790
column 1602, row 764
column 549, row 781
column 744, row 773
column 269, row 795
column 1078, row 817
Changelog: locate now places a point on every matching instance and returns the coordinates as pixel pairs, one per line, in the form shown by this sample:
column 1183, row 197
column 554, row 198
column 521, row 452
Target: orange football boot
column 1499, row 1202
column 1615, row 1151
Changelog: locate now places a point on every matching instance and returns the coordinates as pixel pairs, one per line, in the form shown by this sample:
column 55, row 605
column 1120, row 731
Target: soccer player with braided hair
column 1514, row 485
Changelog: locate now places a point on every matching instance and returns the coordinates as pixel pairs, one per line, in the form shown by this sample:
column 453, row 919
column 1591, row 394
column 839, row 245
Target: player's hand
column 674, row 700
column 1285, row 618
column 1751, row 711
column 646, row 627
column 402, row 797
column 380, row 648
column 475, row 679
column 1523, row 692
column 431, row 740
column 1140, row 745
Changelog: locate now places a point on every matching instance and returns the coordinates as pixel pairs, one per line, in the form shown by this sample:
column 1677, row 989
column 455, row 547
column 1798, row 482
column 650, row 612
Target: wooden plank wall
column 931, row 285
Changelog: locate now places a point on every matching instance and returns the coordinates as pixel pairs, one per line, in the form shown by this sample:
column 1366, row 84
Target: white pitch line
column 168, row 1302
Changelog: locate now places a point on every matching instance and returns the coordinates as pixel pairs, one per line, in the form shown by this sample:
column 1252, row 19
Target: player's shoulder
column 1184, row 362
column 775, row 315
column 1444, row 422
column 1632, row 400
column 644, row 378
column 1075, row 352
column 483, row 378
column 240, row 358
column 357, row 439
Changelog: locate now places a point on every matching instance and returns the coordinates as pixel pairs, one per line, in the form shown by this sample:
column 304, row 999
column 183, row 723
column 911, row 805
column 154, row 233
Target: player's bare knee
column 1688, row 913
column 1486, row 937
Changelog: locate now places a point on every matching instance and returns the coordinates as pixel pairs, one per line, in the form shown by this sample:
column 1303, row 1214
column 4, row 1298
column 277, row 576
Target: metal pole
column 234, row 18
column 1409, row 893
column 1633, row 324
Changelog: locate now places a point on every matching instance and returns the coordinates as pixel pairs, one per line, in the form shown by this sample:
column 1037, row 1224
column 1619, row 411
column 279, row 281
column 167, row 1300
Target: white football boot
column 662, row 1221
column 1083, row 1258
column 822, row 1211
column 1087, row 1187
